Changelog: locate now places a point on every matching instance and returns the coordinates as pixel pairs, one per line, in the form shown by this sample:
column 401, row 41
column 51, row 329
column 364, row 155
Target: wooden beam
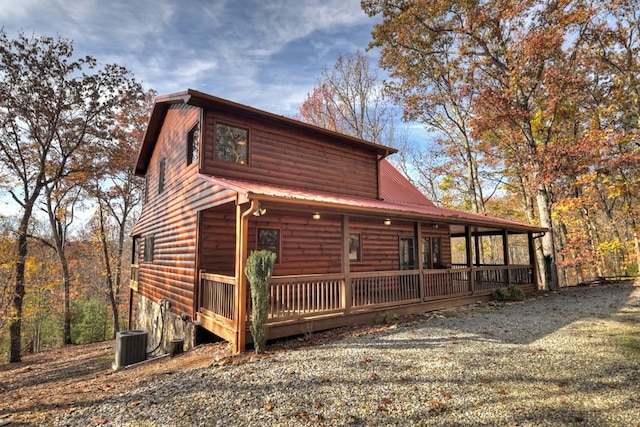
column 532, row 260
column 469, row 254
column 346, row 265
column 420, row 259
column 505, row 256
column 242, row 238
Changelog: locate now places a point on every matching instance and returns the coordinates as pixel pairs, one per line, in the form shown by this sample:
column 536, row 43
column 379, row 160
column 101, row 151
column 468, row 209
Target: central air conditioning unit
column 131, row 347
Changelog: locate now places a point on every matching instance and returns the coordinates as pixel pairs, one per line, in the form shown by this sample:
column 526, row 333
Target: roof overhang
column 247, row 191
column 203, row 100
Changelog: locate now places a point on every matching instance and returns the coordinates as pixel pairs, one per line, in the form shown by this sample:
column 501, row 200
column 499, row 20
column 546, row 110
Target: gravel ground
column 571, row 358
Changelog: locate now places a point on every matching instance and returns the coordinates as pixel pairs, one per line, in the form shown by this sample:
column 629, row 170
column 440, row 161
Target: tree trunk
column 549, row 274
column 15, row 327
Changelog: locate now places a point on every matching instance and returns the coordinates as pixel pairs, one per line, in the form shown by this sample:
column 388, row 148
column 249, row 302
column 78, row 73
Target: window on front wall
column 355, row 247
column 407, row 253
column 269, row 239
column 149, row 243
column 232, row 144
column 432, row 252
column 193, row 144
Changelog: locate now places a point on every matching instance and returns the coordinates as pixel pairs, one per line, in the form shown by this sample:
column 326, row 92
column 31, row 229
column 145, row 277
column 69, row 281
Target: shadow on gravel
column 520, row 322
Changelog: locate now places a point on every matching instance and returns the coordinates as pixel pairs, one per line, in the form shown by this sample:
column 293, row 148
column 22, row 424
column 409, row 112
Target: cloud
column 254, row 51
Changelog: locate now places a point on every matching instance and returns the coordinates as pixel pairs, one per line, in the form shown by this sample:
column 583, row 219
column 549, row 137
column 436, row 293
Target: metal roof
column 391, row 204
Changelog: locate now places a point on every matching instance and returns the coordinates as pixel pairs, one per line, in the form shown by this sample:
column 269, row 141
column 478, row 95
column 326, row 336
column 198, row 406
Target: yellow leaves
column 610, row 246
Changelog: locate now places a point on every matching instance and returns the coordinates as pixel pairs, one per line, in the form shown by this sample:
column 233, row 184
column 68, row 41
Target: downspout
column 242, row 228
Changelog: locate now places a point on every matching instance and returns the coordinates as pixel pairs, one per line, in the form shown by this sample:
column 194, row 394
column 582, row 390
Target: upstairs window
column 193, row 144
column 232, row 144
column 161, row 172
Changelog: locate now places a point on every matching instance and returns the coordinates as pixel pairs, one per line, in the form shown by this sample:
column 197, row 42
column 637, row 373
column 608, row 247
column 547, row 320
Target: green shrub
column 90, row 321
column 259, row 270
column 510, row 293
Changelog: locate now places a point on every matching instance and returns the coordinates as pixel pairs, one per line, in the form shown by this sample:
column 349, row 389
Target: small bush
column 259, row 270
column 510, row 293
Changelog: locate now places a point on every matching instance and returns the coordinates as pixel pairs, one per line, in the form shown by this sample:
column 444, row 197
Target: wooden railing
column 385, row 288
column 295, row 296
column 217, row 295
column 446, row 283
column 304, row 296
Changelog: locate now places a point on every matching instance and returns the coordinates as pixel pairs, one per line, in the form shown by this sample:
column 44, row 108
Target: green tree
column 259, row 270
column 54, row 110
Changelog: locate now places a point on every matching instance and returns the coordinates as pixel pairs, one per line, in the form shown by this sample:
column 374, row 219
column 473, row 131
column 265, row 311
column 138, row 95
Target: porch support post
column 467, row 248
column 476, row 242
column 505, row 256
column 420, row 259
column 532, row 259
column 346, row 265
column 242, row 231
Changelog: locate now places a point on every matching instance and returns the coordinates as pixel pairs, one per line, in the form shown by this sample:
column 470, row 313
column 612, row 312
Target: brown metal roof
column 204, row 100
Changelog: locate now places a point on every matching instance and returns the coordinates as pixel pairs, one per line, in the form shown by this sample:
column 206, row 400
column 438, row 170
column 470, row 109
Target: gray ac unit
column 131, row 347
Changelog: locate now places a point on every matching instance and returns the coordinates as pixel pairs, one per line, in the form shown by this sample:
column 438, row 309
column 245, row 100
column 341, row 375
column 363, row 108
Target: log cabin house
column 354, row 240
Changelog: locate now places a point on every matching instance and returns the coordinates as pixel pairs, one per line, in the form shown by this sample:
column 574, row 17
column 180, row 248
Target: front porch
column 307, row 303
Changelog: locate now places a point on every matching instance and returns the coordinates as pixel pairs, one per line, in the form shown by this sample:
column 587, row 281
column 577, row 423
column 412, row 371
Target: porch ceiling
column 457, row 220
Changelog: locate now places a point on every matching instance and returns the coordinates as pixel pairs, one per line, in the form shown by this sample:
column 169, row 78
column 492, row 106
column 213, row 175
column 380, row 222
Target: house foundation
column 163, row 326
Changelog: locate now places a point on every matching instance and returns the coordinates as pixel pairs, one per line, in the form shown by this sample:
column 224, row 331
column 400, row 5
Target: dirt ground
column 59, row 380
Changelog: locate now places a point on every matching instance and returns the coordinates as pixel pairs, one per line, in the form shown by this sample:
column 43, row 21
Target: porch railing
column 217, row 295
column 385, row 288
column 446, row 283
column 294, row 296
column 307, row 296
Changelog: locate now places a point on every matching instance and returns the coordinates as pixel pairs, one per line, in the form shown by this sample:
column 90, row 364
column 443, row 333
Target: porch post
column 346, row 265
column 476, row 242
column 420, row 260
column 505, row 255
column 467, row 248
column 242, row 228
column 532, row 259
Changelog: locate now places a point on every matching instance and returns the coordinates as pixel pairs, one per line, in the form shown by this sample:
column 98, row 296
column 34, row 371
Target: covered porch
column 345, row 263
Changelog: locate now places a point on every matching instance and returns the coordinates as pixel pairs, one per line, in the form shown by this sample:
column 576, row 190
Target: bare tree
column 53, row 110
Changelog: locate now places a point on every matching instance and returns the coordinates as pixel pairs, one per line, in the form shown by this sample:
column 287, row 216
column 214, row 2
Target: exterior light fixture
column 434, row 225
column 316, row 215
column 386, row 221
column 260, row 211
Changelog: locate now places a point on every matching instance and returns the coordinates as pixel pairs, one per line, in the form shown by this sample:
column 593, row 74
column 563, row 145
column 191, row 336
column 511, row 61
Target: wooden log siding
column 218, row 240
column 281, row 156
column 171, row 216
column 307, row 246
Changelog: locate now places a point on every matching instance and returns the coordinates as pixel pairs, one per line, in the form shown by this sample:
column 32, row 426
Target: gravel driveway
column 571, row 358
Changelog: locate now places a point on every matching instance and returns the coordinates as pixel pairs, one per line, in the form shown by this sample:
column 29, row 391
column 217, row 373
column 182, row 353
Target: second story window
column 161, row 172
column 232, row 144
column 193, row 144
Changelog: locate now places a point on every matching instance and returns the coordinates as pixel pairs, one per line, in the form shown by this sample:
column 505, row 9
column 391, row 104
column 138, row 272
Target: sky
column 262, row 53
column 267, row 54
